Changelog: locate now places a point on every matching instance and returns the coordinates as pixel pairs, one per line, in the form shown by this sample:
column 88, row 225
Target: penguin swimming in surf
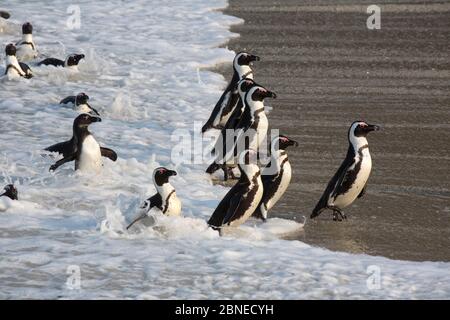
column 26, row 49
column 80, row 103
column 14, row 68
column 70, row 62
column 243, row 198
column 276, row 176
column 349, row 182
column 230, row 97
column 165, row 200
column 82, row 147
column 4, row 14
column 6, row 197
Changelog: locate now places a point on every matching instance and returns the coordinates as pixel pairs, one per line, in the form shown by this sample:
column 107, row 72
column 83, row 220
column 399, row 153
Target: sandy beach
column 328, row 70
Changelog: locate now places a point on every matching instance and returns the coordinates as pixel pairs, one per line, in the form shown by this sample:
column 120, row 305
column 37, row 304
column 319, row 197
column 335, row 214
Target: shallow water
column 142, row 73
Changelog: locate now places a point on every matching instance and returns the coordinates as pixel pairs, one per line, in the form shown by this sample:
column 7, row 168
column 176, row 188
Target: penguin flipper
column 270, row 189
column 27, row 70
column 62, row 161
column 363, row 192
column 69, row 99
column 93, row 110
column 108, row 153
column 65, row 148
column 232, row 212
column 52, row 61
column 153, row 201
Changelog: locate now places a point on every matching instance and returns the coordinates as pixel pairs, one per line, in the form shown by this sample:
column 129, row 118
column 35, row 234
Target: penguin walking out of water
column 349, row 182
column 276, row 176
column 6, row 197
column 26, row 49
column 243, row 198
column 229, row 99
column 80, row 103
column 14, row 68
column 70, row 62
column 165, row 200
column 223, row 139
column 82, row 147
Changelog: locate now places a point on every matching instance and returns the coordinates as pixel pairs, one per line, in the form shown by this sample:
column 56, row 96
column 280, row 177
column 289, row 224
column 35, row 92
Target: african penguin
column 80, row 103
column 228, row 131
column 243, row 198
column 4, row 14
column 14, row 68
column 70, row 62
column 165, row 200
column 26, row 49
column 349, row 182
column 6, row 197
column 82, row 147
column 276, row 176
column 230, row 97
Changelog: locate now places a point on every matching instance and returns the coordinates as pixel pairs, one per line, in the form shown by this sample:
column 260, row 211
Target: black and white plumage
column 14, row 68
column 80, row 103
column 26, row 49
column 243, row 198
column 82, row 147
column 165, row 200
column 230, row 99
column 276, row 176
column 10, row 194
column 4, row 14
column 71, row 61
column 349, row 182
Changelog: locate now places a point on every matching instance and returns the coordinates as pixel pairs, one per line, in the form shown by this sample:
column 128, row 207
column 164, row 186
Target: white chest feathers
column 171, row 205
column 90, row 158
column 26, row 49
column 283, row 179
column 82, row 108
column 14, row 70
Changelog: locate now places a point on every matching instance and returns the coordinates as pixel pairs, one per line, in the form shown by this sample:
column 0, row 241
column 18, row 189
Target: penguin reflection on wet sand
column 165, row 200
column 82, row 147
column 243, row 198
column 80, row 103
column 349, row 182
column 14, row 68
column 276, row 176
column 230, row 99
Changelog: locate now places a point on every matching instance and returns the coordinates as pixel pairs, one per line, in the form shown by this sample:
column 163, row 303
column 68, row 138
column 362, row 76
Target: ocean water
column 144, row 71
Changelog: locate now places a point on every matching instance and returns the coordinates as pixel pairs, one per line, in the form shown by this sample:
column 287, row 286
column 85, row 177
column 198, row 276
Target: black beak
column 96, row 119
column 254, row 58
column 373, row 127
column 293, row 143
column 172, row 172
column 271, row 94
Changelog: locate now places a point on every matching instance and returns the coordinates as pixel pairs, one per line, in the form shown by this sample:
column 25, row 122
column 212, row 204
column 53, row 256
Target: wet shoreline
column 328, row 70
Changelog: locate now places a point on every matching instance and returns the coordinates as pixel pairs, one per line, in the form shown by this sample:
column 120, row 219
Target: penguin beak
column 373, row 127
column 96, row 119
column 254, row 58
column 271, row 94
column 293, row 143
column 171, row 172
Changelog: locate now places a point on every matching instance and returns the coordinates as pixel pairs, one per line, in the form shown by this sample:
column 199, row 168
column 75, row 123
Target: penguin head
column 74, row 59
column 248, row 163
column 10, row 50
column 361, row 129
column 244, row 59
column 283, row 142
column 259, row 93
column 161, row 175
column 27, row 28
column 244, row 85
column 81, row 98
column 10, row 192
column 84, row 120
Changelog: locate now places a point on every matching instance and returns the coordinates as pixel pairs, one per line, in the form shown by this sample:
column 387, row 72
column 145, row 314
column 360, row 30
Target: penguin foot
column 339, row 215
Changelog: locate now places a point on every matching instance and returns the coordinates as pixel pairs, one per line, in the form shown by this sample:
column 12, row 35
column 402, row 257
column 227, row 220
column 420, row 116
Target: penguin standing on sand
column 165, row 200
column 80, row 103
column 15, row 69
column 243, row 198
column 82, row 147
column 349, row 182
column 70, row 62
column 221, row 143
column 6, row 197
column 230, row 97
column 276, row 176
column 26, row 49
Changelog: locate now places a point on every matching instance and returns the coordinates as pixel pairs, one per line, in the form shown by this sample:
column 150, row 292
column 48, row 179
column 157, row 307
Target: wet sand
column 328, row 70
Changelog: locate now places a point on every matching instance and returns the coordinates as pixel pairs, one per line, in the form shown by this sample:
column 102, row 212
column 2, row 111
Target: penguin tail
column 207, row 126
